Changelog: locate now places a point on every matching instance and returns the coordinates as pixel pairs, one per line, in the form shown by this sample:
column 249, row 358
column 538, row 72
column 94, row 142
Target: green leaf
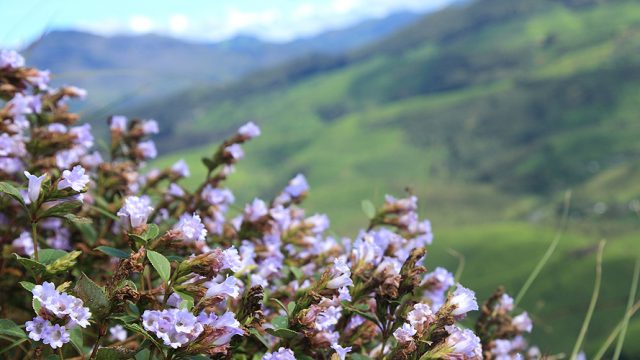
column 160, row 263
column 104, row 212
column 75, row 219
column 280, row 322
column 283, row 333
column 27, row 285
column 61, row 209
column 34, row 267
column 9, row 328
column 76, row 338
column 280, row 304
column 368, row 209
column 356, row 356
column 114, row 252
column 48, row 256
column 138, row 329
column 11, row 190
column 296, row 272
column 291, row 306
column 88, row 232
column 259, row 336
column 115, row 353
column 93, row 296
column 151, row 232
column 365, row 314
column 187, row 300
column 144, row 354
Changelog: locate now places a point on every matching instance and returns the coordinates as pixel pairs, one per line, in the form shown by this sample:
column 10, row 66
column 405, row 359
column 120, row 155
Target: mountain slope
column 130, row 69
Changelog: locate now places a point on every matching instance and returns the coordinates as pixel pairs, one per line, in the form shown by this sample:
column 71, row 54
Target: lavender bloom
column 118, row 123
column 57, row 127
column 117, row 333
column 10, row 59
column 255, row 210
column 328, row 318
column 297, row 186
column 74, row 179
column 235, row 151
column 83, row 135
column 225, row 322
column 405, row 333
column 463, row 344
column 281, row 354
column 147, row 149
column 343, row 294
column 420, row 316
column 35, row 185
column 464, row 300
column 341, row 351
column 23, row 245
column 12, row 145
column 505, row 303
column 56, row 336
column 191, row 227
column 36, row 328
column 249, row 130
column 229, row 287
column 66, row 158
column 175, row 190
column 175, row 327
column 231, row 260
column 522, row 322
column 342, row 275
column 41, row 79
column 181, row 168
column 150, row 127
column 219, row 197
column 135, row 211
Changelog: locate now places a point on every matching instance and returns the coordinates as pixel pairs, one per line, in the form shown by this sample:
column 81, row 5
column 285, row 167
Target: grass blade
column 615, row 332
column 592, row 304
column 625, row 320
column 461, row 263
column 552, row 248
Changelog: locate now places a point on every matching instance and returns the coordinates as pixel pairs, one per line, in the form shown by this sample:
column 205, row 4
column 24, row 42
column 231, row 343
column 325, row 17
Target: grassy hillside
column 488, row 112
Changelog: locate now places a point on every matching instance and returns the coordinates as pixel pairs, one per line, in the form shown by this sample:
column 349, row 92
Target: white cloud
column 178, row 23
column 140, row 24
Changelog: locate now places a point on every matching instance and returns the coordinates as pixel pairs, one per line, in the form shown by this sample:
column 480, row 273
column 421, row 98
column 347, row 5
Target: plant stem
column 592, row 304
column 615, row 332
column 34, row 235
column 101, row 332
column 625, row 321
column 60, row 353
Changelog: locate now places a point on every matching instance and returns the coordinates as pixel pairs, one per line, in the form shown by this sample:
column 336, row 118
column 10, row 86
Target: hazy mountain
column 128, row 69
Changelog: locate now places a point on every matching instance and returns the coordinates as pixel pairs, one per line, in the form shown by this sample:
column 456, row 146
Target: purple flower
column 147, row 149
column 150, row 127
column 522, row 322
column 464, row 300
column 35, row 185
column 83, row 135
column 229, row 287
column 463, row 344
column 55, row 336
column 231, row 260
column 37, row 328
column 180, row 168
column 249, row 130
column 175, row 190
column 281, row 354
column 235, row 151
column 225, row 322
column 420, row 315
column 117, row 333
column 219, row 197
column 74, row 179
column 255, row 210
column 297, row 186
column 23, row 245
column 41, row 79
column 328, row 318
column 135, row 211
column 118, row 123
column 341, row 273
column 341, row 351
column 404, row 333
column 505, row 303
column 191, row 227
column 10, row 59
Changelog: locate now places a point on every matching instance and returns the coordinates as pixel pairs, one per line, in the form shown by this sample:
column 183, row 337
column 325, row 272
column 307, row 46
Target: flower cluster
column 56, row 308
column 177, row 270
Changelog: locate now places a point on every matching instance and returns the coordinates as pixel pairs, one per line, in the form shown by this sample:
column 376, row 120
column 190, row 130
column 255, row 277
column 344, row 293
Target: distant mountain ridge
column 124, row 70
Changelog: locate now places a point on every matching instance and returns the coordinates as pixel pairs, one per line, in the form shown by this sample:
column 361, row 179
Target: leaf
column 160, row 263
column 151, row 232
column 280, row 322
column 187, row 302
column 48, row 256
column 93, row 296
column 281, row 305
column 63, row 263
column 76, row 338
column 88, row 232
column 34, row 267
column 365, row 314
column 138, row 329
column 296, row 272
column 356, row 356
column 210, row 164
column 291, row 306
column 105, row 212
column 114, row 252
column 144, row 354
column 115, row 353
column 368, row 209
column 61, row 209
column 9, row 328
column 283, row 333
column 27, row 285
column 77, row 219
column 259, row 336
column 11, row 190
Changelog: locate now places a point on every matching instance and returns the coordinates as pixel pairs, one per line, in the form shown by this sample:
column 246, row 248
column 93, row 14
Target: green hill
column 488, row 111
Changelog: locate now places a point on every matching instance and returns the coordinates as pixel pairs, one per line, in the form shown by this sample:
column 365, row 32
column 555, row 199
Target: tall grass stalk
column 552, row 248
column 614, row 333
column 592, row 304
column 461, row 263
column 625, row 320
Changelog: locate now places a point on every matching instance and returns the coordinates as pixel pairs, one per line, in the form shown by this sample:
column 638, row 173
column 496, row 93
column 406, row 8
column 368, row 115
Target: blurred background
column 489, row 110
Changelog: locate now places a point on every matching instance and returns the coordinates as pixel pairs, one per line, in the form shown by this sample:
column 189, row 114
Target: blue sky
column 200, row 20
